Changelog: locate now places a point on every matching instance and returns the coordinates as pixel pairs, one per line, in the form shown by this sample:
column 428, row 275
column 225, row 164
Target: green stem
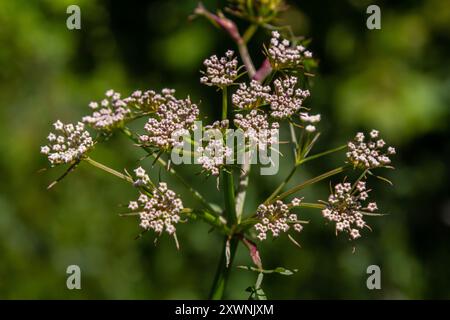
column 108, row 170
column 230, row 203
column 294, row 141
column 215, row 221
column 227, row 177
column 282, row 184
column 322, row 154
column 294, row 169
column 223, row 272
column 226, row 260
column 309, row 182
column 312, row 205
column 224, row 103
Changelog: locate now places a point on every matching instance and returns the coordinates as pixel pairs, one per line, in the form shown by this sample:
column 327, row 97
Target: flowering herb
column 271, row 98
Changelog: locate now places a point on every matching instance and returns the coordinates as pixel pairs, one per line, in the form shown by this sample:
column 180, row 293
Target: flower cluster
column 286, row 99
column 174, row 118
column 345, row 207
column 284, row 56
column 159, row 210
column 251, row 96
column 310, row 121
column 257, row 129
column 69, row 143
column 109, row 113
column 214, row 155
column 258, row 11
column 149, row 101
column 276, row 218
column 220, row 72
column 369, row 154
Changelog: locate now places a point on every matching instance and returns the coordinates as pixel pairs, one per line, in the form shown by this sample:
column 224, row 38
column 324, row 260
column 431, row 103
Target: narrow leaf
column 294, row 241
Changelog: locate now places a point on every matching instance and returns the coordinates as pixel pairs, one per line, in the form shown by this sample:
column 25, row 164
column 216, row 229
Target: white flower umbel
column 149, row 101
column 69, row 143
column 345, row 207
column 251, row 96
column 220, row 72
column 277, row 219
column 109, row 114
column 369, row 153
column 173, row 119
column 159, row 209
column 214, row 154
column 282, row 55
column 257, row 129
column 286, row 100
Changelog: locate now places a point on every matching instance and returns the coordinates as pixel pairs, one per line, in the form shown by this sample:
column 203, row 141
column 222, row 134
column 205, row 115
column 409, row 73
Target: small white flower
column 354, row 233
column 143, row 198
column 391, row 150
column 133, row 205
column 380, row 143
column 326, row 212
column 58, row 125
column 140, row 172
column 374, row 134
column 298, row 227
column 262, row 236
column 295, row 202
column 308, row 54
column 51, row 137
column 372, row 206
column 45, row 150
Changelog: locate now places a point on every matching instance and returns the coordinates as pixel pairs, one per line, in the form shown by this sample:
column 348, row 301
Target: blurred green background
column 396, row 79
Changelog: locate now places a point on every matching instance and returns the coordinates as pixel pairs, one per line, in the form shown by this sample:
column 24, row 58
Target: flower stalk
column 230, row 242
column 273, row 95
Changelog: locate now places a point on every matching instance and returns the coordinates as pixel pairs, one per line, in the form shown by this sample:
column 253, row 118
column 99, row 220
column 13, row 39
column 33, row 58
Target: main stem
column 230, row 243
